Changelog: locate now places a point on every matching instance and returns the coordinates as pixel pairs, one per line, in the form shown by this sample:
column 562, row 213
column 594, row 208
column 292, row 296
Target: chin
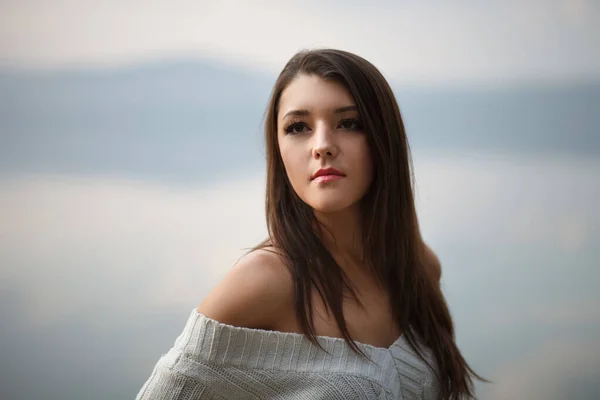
column 328, row 209
column 329, row 205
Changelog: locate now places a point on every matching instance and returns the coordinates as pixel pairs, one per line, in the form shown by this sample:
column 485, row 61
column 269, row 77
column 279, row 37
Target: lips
column 325, row 172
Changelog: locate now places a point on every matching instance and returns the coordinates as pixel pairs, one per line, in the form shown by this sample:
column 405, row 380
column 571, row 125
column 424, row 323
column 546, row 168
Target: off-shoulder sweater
column 212, row 360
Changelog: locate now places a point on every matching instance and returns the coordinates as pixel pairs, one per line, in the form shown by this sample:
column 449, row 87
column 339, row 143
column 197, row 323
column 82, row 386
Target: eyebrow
column 302, row 113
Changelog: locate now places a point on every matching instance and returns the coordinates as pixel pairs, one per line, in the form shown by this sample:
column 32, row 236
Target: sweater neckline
column 330, row 340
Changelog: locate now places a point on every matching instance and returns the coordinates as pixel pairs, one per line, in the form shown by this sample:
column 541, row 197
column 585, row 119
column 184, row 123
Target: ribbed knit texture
column 212, row 360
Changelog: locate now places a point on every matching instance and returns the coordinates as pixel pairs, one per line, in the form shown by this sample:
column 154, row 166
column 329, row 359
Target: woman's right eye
column 295, row 128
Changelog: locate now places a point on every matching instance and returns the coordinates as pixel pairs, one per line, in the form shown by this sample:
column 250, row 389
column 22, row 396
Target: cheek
column 293, row 163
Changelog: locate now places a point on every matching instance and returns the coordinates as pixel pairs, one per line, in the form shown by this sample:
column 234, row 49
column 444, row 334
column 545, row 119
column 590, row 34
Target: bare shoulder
column 253, row 293
column 432, row 263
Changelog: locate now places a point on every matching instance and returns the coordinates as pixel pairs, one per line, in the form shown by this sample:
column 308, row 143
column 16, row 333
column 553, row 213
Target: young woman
column 342, row 301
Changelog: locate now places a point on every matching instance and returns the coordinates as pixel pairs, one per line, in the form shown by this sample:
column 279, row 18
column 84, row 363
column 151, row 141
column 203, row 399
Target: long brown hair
column 393, row 247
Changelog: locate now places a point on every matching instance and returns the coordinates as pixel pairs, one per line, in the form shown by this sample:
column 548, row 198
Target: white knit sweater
column 212, row 360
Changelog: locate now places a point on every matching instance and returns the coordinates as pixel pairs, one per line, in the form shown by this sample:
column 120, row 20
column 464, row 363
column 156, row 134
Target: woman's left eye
column 350, row 124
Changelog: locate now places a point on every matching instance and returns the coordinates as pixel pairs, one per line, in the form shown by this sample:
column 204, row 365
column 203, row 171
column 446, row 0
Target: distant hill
column 192, row 120
column 522, row 119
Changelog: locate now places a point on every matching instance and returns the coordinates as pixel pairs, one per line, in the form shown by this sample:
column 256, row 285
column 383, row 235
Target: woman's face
column 318, row 128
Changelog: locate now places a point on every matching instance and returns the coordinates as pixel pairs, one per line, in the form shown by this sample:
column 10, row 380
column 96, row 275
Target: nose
column 324, row 144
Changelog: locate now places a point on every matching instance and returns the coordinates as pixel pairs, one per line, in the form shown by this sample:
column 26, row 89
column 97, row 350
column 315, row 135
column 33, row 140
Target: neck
column 341, row 233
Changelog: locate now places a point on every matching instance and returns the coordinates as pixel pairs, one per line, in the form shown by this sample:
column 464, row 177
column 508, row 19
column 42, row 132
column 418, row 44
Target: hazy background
column 132, row 175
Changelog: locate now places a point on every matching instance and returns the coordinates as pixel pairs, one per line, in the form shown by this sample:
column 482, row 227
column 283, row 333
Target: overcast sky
column 429, row 41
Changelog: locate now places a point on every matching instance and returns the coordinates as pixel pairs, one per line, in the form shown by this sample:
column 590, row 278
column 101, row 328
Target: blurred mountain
column 529, row 119
column 192, row 120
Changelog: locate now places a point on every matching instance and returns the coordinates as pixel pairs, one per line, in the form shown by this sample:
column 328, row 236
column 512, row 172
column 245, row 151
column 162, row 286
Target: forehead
column 309, row 92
